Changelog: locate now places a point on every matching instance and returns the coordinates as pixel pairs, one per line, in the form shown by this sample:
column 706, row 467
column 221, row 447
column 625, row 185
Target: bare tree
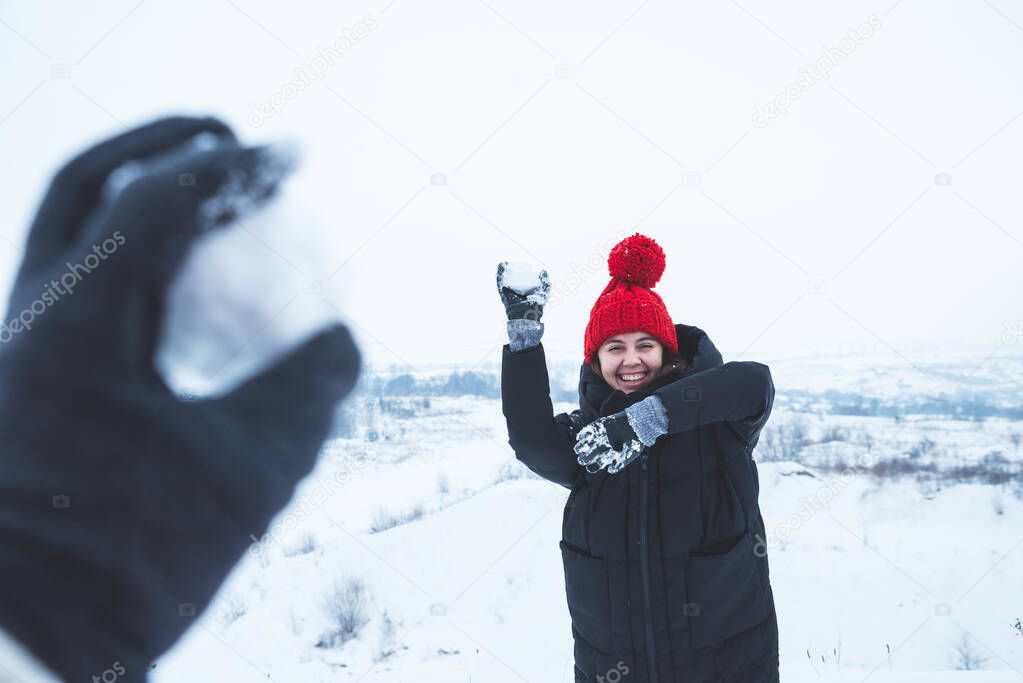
column 967, row 658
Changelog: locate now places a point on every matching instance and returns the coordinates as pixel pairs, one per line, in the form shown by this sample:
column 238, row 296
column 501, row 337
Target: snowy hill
column 425, row 552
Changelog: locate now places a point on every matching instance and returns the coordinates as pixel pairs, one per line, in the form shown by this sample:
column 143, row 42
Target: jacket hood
column 597, row 398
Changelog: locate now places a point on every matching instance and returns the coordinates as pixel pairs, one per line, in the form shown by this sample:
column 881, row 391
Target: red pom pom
column 637, row 259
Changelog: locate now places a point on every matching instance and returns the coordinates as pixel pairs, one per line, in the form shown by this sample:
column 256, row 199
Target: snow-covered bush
column 294, row 622
column 388, row 637
column 783, row 438
column 404, row 407
column 995, row 461
column 834, row 433
column 232, row 608
column 346, row 606
column 825, row 660
column 865, row 439
column 384, row 520
column 305, row 545
column 923, row 447
column 357, row 418
column 513, row 469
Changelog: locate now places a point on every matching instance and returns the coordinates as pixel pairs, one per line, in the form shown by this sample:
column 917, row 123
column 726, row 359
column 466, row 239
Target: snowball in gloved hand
column 521, row 277
column 523, row 291
column 247, row 294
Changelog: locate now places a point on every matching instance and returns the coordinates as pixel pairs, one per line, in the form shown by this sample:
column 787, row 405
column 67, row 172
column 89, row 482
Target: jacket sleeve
column 739, row 392
column 542, row 441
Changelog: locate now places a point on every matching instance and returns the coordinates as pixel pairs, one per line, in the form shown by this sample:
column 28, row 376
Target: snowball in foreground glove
column 121, row 507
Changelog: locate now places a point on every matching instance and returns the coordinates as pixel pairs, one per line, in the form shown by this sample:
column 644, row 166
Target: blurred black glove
column 527, row 305
column 122, row 508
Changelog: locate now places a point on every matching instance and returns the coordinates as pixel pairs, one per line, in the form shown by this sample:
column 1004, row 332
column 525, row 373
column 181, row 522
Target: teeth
column 633, row 378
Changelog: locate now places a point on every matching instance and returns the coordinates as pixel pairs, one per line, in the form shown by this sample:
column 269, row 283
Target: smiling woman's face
column 631, row 360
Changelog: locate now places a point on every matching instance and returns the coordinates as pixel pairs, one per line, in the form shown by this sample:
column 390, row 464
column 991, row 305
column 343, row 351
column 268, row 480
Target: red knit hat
column 628, row 303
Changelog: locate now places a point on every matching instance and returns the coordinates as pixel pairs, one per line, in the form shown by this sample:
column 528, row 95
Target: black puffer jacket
column 665, row 567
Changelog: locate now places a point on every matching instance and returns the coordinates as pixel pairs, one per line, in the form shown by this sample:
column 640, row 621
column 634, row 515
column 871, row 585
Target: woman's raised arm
column 542, row 441
column 738, row 392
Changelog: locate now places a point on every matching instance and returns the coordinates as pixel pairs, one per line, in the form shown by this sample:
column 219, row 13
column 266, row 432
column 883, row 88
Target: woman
column 662, row 537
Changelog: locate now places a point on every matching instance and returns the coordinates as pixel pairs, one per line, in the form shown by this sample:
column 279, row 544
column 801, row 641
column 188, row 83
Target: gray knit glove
column 524, row 334
column 648, row 419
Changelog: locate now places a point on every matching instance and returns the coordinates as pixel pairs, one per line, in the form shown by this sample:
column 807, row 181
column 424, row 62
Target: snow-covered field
column 441, row 550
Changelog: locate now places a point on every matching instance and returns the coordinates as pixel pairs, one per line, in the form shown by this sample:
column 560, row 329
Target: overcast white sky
column 558, row 126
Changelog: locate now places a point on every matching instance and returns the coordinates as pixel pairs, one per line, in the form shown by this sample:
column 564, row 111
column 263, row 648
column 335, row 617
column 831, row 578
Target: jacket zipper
column 644, row 562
